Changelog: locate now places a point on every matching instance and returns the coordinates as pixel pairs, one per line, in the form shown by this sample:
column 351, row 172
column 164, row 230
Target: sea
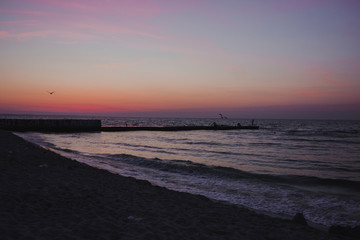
column 285, row 167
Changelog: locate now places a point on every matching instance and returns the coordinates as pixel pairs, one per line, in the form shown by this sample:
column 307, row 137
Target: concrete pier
column 176, row 128
column 87, row 125
column 50, row 125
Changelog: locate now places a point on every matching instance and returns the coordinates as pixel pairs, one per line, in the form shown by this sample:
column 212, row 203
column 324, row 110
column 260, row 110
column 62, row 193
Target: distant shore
column 46, row 196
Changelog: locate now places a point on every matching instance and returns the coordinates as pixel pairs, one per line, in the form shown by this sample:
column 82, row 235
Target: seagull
column 51, row 92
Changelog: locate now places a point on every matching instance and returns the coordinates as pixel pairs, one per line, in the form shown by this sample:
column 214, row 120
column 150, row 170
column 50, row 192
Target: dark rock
column 353, row 232
column 300, row 219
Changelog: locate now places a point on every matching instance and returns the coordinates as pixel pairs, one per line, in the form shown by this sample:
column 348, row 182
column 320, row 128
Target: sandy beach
column 46, row 196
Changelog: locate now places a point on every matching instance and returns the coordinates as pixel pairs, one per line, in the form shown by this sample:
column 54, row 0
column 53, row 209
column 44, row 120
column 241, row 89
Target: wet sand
column 46, row 196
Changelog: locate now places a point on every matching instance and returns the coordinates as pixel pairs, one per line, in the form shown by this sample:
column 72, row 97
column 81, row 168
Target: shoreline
column 44, row 195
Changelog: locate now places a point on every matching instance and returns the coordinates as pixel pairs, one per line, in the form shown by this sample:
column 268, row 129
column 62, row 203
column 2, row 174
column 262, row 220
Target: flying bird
column 51, row 92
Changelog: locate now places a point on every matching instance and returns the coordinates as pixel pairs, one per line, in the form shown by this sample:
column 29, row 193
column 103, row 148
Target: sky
column 245, row 58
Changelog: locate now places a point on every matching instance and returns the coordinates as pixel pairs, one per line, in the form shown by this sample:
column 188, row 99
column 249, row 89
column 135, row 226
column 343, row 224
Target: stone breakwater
column 57, row 125
column 86, row 125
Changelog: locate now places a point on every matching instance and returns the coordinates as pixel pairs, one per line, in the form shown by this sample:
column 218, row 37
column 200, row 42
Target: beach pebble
column 132, row 218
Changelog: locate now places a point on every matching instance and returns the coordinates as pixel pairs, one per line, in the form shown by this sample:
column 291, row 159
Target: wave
column 191, row 168
column 323, row 140
column 266, row 144
column 217, row 143
column 235, row 156
column 324, row 133
column 66, row 150
column 188, row 167
column 136, row 145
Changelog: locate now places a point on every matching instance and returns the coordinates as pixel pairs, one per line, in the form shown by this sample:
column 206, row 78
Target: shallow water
column 287, row 166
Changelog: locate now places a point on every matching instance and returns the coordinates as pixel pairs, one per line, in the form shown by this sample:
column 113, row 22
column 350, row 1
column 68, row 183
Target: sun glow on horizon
column 119, row 56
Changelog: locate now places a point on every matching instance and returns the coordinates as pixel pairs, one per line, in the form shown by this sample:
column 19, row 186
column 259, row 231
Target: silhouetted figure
column 239, row 125
column 252, row 122
column 222, row 116
column 214, row 125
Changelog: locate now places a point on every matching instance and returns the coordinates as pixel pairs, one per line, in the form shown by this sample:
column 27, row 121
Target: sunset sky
column 248, row 58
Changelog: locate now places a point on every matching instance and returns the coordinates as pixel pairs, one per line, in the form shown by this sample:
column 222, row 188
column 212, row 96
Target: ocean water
column 285, row 167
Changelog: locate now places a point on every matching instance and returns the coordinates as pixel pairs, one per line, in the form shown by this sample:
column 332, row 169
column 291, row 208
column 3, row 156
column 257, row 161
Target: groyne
column 176, row 128
column 89, row 125
column 50, row 125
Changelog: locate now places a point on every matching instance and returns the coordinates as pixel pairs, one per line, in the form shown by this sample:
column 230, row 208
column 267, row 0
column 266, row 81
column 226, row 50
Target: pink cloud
column 295, row 5
column 19, row 22
column 129, row 20
column 325, row 76
column 68, row 29
column 118, row 64
column 237, row 69
column 336, row 82
column 74, row 35
column 79, row 5
column 318, row 74
column 82, row 6
column 28, row 12
column 331, row 91
column 116, row 29
column 190, row 46
column 23, row 35
column 4, row 34
column 35, row 34
column 46, row 34
column 67, row 42
column 89, row 19
column 308, row 92
column 124, row 7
